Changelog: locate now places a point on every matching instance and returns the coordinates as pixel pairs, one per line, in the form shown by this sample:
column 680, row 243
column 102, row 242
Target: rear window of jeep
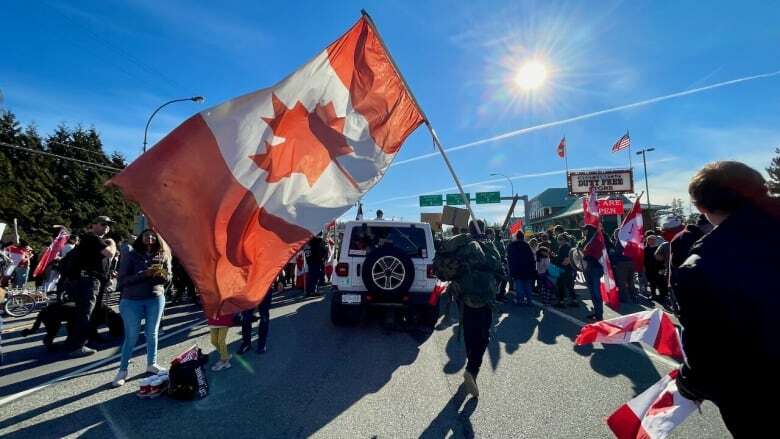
column 410, row 240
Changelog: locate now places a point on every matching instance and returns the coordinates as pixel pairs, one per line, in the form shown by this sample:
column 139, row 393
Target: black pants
column 263, row 325
column 84, row 291
column 565, row 286
column 313, row 278
column 476, row 335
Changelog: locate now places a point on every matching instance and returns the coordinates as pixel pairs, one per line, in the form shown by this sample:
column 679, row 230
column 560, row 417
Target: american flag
column 562, row 148
column 622, row 144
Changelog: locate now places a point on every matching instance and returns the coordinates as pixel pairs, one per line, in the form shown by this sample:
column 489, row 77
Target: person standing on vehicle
column 144, row 270
column 88, row 274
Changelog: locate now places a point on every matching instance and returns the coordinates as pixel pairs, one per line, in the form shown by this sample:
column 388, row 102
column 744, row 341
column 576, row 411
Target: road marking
column 90, row 366
column 668, row 362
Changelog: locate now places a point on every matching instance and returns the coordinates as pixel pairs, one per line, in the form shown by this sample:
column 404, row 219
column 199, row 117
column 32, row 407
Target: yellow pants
column 218, row 339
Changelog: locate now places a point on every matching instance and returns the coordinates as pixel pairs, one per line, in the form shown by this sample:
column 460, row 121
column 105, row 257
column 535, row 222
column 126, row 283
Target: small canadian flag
column 654, row 413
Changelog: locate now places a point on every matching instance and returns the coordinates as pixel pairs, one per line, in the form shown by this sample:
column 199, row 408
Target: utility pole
column 644, row 162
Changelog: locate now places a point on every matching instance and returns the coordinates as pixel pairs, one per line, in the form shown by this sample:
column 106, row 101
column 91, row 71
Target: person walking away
column 565, row 282
column 247, row 316
column 728, row 299
column 478, row 265
column 315, row 252
column 87, row 274
column 218, row 329
column 522, row 268
column 592, row 252
column 144, row 270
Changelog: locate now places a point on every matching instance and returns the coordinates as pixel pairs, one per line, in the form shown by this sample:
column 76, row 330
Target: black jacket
column 729, row 299
column 522, row 263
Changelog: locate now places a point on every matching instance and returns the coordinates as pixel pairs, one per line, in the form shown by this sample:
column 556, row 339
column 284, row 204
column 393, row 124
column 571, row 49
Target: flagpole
column 425, row 119
column 566, row 157
column 630, row 166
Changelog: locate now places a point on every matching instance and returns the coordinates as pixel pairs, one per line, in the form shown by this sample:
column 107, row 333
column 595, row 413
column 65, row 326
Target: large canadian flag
column 654, row 413
column 653, row 327
column 237, row 189
column 632, row 234
column 608, row 286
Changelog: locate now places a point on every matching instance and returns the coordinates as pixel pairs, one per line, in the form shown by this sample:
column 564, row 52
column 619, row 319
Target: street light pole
column 507, row 179
column 644, row 162
column 196, row 99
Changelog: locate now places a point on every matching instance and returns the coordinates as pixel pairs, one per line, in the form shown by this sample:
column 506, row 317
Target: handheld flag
column 654, row 413
column 653, row 327
column 238, row 189
column 632, row 234
column 516, row 227
column 598, row 248
column 51, row 252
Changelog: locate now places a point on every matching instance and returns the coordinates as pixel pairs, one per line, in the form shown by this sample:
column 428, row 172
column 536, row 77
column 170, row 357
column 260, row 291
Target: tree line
column 41, row 190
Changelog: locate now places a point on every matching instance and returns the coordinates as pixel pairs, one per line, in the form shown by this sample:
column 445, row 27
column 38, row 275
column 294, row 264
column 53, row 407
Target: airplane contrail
column 588, row 116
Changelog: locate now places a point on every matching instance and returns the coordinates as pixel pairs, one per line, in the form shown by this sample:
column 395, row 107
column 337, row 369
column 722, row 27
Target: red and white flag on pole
column 654, row 413
column 632, row 235
column 653, row 327
column 562, row 148
column 597, row 247
column 622, row 143
column 237, row 189
column 51, row 252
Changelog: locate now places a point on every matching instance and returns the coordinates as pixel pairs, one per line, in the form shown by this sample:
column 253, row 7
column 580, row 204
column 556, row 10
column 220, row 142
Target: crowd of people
column 714, row 273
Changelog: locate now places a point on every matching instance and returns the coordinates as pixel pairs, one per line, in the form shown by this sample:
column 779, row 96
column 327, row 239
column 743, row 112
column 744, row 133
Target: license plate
column 350, row 298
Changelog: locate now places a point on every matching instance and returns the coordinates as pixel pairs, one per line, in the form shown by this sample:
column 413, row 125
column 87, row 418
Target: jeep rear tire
column 388, row 270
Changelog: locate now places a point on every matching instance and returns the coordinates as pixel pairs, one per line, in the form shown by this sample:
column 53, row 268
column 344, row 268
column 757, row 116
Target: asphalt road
column 373, row 380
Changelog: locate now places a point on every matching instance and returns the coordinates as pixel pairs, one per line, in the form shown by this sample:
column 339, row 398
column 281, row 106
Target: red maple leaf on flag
column 312, row 140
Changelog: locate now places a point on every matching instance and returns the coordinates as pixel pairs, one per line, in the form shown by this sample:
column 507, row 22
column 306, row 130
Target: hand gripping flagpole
column 427, row 122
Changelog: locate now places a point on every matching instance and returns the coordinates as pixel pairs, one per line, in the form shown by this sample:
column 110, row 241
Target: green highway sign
column 456, row 199
column 431, row 200
column 488, row 197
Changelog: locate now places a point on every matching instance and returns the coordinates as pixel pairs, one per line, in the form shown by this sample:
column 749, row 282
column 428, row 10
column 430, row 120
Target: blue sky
column 110, row 63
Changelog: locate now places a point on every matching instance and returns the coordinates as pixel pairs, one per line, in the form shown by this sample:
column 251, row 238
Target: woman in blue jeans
column 143, row 272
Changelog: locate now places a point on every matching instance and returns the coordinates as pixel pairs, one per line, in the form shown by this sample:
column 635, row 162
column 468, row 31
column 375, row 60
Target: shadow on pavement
column 614, row 360
column 451, row 421
column 311, row 373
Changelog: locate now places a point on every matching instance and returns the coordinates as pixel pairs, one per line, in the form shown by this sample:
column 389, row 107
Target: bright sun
column 531, row 75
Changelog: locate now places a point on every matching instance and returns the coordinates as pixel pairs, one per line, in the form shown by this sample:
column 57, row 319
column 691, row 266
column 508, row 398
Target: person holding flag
column 593, row 270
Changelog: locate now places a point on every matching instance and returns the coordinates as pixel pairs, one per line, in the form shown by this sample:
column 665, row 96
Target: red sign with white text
column 610, row 207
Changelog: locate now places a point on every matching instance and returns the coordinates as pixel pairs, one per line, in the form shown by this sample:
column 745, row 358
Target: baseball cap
column 102, row 219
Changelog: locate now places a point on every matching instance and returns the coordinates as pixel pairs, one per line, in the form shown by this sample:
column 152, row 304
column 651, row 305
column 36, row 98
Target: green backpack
column 447, row 266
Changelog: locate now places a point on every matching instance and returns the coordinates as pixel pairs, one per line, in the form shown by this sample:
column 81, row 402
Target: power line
column 75, row 147
column 84, row 162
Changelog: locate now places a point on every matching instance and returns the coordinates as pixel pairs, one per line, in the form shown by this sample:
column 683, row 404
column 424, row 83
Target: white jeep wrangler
column 384, row 263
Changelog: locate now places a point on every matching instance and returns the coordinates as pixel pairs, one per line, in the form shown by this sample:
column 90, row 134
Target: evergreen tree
column 42, row 191
column 774, row 174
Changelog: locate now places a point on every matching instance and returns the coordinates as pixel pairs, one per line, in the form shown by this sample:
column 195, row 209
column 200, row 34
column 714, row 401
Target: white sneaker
column 471, row 384
column 120, row 379
column 220, row 365
column 155, row 369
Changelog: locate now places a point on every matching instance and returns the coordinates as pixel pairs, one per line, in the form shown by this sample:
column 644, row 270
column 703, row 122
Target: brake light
column 430, row 272
column 342, row 269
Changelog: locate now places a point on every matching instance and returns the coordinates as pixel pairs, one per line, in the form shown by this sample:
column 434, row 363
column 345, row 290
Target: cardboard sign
column 434, row 219
column 455, row 216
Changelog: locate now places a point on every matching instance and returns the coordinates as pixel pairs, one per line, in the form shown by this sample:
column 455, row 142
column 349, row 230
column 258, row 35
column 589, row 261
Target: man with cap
column 88, row 274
